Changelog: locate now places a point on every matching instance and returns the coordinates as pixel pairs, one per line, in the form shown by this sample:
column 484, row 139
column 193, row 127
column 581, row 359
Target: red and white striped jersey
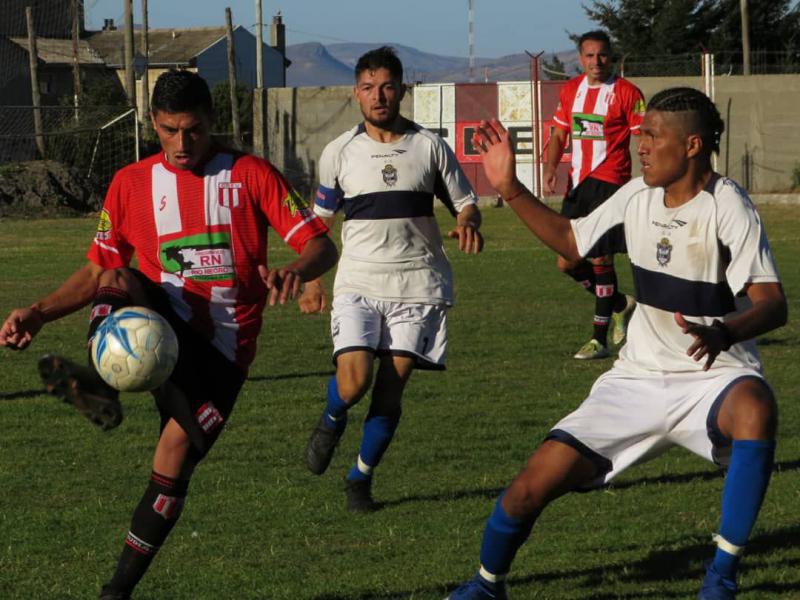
column 600, row 120
column 201, row 236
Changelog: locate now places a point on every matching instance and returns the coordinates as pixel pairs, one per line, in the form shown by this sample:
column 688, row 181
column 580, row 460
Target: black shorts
column 589, row 194
column 202, row 390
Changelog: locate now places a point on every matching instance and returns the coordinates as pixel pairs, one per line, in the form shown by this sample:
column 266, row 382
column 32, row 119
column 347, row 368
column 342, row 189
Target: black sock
column 584, row 275
column 605, row 300
column 153, row 519
column 106, row 301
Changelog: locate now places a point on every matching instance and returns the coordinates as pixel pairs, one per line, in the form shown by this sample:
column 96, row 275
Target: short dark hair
column 384, row 57
column 181, row 91
column 703, row 116
column 598, row 35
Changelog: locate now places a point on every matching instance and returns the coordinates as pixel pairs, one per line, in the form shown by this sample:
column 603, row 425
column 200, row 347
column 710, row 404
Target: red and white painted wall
column 454, row 110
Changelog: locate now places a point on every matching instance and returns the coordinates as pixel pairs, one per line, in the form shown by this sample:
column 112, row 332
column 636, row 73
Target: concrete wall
column 301, row 121
column 761, row 145
column 760, row 148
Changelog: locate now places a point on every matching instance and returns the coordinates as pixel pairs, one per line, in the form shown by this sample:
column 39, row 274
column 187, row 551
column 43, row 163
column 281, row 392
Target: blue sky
column 439, row 26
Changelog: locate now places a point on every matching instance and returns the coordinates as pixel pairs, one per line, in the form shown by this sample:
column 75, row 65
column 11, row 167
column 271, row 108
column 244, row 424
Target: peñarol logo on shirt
column 201, row 257
column 295, row 203
column 587, row 127
column 103, row 226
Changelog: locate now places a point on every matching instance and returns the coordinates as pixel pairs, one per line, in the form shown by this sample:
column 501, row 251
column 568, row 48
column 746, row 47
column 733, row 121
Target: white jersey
column 696, row 259
column 391, row 246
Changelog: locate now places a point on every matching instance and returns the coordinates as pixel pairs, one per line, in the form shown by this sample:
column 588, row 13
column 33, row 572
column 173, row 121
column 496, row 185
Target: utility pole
column 471, row 41
column 745, row 37
column 145, row 106
column 130, row 75
column 33, row 57
column 237, row 128
column 259, row 94
column 76, row 65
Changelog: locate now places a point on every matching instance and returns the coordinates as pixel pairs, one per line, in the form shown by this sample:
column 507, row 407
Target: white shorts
column 629, row 419
column 394, row 328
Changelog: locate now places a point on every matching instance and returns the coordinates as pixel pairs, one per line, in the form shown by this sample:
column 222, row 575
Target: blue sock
column 745, row 486
column 336, row 409
column 502, row 537
column 378, row 433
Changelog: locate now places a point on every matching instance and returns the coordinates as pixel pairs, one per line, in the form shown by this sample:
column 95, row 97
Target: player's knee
column 123, row 279
column 755, row 413
column 523, row 499
column 352, row 388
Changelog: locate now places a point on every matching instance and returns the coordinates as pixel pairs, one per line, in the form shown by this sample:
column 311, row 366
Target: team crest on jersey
column 296, row 204
column 587, row 126
column 202, row 257
column 228, row 193
column 389, row 175
column 663, row 252
column 103, row 226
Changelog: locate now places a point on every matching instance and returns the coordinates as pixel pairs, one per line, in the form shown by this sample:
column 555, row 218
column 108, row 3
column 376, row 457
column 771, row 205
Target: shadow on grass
column 23, row 394
column 682, row 564
column 291, row 376
column 791, row 465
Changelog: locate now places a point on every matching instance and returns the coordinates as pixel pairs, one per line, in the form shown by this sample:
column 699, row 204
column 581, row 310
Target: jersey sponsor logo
column 673, row 224
column 394, row 153
column 587, row 126
column 228, row 194
column 639, row 108
column 103, row 226
column 162, row 204
column 296, row 204
column 168, row 507
column 208, row 417
column 202, row 257
column 389, row 175
column 663, row 252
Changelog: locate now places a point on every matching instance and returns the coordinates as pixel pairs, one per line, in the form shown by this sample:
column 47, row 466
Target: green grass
column 257, row 525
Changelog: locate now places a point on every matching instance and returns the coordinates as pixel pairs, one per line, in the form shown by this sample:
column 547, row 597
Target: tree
column 555, row 69
column 774, row 33
column 221, row 97
column 670, row 28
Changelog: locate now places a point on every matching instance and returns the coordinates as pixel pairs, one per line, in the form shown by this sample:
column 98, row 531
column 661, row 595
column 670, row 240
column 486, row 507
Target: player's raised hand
column 20, row 327
column 313, row 299
column 282, row 284
column 470, row 240
column 708, row 341
column 494, row 145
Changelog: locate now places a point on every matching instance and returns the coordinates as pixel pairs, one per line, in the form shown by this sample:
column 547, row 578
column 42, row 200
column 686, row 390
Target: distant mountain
column 313, row 66
column 316, row 65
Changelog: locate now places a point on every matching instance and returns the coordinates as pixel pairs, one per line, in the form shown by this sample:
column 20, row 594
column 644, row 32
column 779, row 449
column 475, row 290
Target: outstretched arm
column 492, row 141
column 768, row 312
column 318, row 256
column 77, row 291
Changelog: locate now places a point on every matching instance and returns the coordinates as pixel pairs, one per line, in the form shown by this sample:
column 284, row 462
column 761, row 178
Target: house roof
column 59, row 51
column 168, row 47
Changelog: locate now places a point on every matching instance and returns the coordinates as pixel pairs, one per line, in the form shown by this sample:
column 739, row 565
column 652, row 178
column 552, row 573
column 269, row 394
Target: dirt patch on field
column 46, row 188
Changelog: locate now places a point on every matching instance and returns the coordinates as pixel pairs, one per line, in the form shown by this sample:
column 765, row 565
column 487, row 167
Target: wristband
column 516, row 194
column 727, row 336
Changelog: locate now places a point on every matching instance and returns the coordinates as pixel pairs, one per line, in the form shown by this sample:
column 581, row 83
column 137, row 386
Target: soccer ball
column 134, row 349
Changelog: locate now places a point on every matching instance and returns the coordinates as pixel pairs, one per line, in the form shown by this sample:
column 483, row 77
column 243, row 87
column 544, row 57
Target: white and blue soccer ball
column 134, row 349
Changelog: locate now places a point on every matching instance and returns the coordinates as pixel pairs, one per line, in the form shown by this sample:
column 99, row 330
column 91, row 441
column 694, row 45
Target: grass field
column 258, row 525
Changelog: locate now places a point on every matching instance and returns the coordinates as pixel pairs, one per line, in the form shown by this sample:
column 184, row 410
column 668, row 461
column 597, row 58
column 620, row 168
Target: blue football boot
column 479, row 588
column 717, row 587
